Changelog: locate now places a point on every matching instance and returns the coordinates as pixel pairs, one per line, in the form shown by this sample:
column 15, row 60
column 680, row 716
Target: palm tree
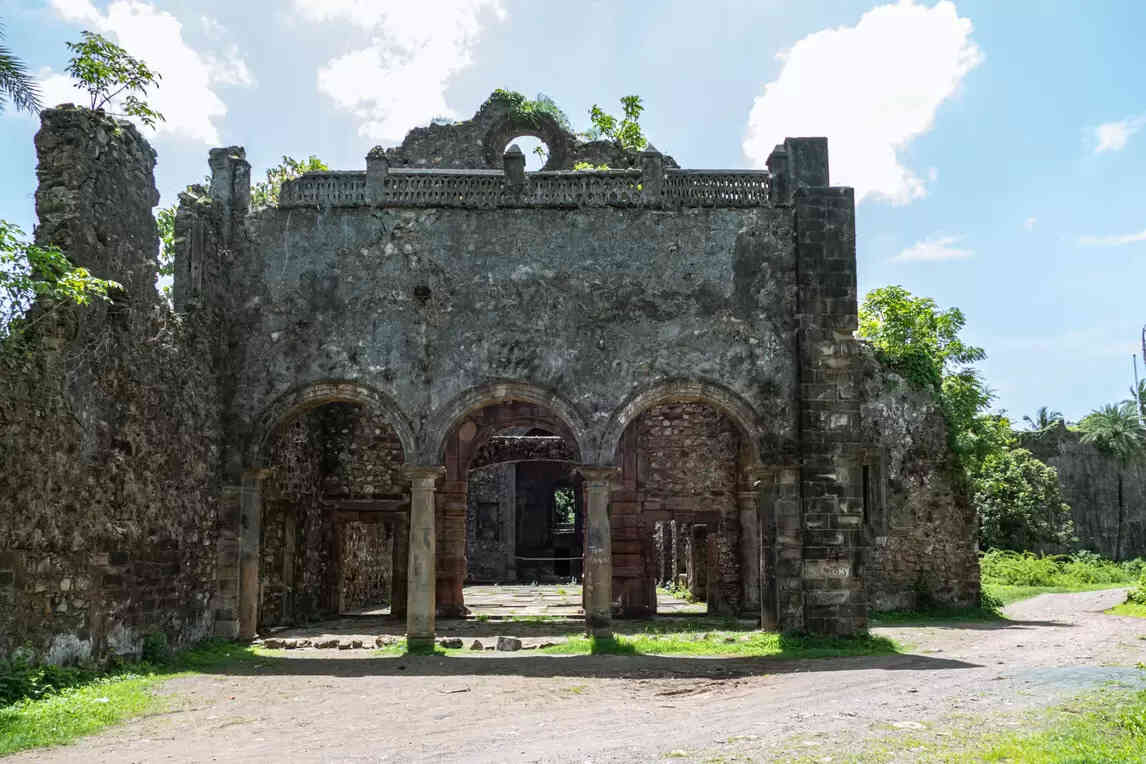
column 1116, row 430
column 1044, row 419
column 15, row 82
column 1138, row 395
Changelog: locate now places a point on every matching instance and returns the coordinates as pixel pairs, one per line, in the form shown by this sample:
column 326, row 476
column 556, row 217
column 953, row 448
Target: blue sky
column 998, row 150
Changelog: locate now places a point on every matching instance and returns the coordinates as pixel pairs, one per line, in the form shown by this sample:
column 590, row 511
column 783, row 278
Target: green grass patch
column 47, row 705
column 938, row 614
column 726, row 643
column 1107, row 726
column 1129, row 608
column 1000, row 567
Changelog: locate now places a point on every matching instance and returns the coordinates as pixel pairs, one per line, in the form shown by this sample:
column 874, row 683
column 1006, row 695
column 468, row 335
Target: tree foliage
column 1115, row 430
column 29, row 272
column 1044, row 419
column 626, row 131
column 1018, row 498
column 16, row 84
column 106, row 71
column 266, row 193
column 1020, row 503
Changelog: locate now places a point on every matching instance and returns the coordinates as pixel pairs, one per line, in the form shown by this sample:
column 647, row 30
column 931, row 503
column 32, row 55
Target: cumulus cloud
column 1113, row 136
column 871, row 89
column 1115, row 240
column 932, row 249
column 186, row 94
column 399, row 79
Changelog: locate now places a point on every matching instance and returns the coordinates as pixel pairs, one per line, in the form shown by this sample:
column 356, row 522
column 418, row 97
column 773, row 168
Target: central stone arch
column 467, row 427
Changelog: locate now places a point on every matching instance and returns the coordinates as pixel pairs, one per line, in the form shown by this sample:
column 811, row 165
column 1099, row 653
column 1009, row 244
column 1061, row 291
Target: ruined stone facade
column 674, row 347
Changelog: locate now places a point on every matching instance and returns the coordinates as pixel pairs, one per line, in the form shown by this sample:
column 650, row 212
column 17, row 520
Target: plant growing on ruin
column 266, row 193
column 626, row 131
column 165, row 224
column 29, row 273
column 107, row 72
column 16, row 84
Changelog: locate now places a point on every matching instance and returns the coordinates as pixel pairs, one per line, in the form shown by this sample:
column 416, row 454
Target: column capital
column 595, row 475
column 419, row 473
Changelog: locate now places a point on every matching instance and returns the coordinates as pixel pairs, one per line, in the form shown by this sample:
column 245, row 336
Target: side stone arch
column 302, row 399
column 678, row 391
column 432, row 446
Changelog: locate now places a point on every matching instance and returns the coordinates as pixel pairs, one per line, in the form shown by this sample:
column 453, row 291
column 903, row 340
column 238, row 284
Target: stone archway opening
column 686, row 490
column 333, row 528
column 511, row 466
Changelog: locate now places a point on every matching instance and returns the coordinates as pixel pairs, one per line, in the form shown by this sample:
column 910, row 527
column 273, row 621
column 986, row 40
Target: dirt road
column 334, row 706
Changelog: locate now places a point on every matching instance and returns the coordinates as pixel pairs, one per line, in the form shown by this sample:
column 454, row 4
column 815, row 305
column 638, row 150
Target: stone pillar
column 250, row 533
column 420, row 577
column 598, row 550
column 652, row 175
column 377, row 168
column 514, row 163
column 746, row 502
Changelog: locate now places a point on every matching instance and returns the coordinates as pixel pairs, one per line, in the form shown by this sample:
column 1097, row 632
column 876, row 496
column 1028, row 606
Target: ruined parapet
column 479, row 142
column 95, row 196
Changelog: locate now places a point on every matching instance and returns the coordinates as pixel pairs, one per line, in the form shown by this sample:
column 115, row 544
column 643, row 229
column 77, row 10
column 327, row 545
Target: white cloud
column 186, row 94
column 871, row 89
column 1113, row 136
column 1116, row 240
column 398, row 81
column 932, row 249
column 1029, row 223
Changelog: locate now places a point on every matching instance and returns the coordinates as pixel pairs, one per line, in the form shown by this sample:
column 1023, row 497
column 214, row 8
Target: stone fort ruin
column 444, row 369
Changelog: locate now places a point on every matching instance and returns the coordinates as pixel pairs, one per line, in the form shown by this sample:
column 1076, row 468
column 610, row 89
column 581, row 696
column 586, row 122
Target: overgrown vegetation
column 31, row 273
column 625, row 132
column 107, row 72
column 16, row 83
column 1082, row 569
column 266, row 193
column 1017, row 497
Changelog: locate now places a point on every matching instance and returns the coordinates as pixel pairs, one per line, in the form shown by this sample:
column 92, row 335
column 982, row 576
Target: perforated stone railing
column 652, row 187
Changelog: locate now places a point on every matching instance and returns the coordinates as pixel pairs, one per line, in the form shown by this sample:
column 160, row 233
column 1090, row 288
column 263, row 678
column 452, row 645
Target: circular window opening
column 535, row 150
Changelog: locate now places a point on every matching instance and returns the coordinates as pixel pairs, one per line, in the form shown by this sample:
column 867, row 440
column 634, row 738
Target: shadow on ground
column 584, row 666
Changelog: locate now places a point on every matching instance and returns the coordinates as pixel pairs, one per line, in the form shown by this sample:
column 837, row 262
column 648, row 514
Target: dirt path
column 333, row 706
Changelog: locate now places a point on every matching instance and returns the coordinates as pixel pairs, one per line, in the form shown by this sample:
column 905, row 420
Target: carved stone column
column 422, row 567
column 598, row 579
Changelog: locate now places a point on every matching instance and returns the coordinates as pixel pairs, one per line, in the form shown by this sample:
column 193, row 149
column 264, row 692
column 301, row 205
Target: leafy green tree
column 1044, row 419
column 106, row 71
column 1138, row 396
column 165, row 223
column 29, row 272
column 16, row 84
column 266, row 194
column 626, row 131
column 1020, row 503
column 1116, row 430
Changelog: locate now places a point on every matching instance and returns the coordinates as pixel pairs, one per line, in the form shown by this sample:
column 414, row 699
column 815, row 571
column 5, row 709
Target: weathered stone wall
column 490, row 524
column 335, row 452
column 367, row 565
column 922, row 531
column 110, row 428
column 1090, row 481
